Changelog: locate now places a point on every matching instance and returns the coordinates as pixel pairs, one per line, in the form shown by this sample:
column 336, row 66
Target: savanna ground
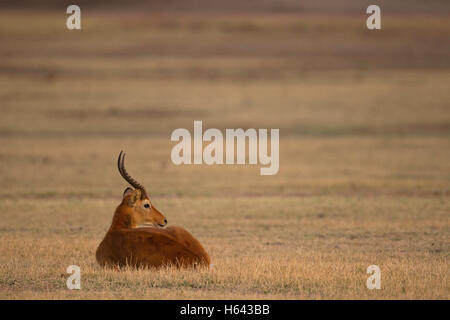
column 364, row 178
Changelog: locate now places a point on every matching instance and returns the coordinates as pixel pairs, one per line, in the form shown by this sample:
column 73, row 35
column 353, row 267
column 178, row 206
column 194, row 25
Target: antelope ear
column 135, row 196
column 127, row 192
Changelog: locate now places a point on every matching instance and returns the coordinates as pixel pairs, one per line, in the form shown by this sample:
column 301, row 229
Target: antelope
column 138, row 235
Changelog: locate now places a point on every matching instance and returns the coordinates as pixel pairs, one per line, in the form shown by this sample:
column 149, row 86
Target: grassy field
column 364, row 177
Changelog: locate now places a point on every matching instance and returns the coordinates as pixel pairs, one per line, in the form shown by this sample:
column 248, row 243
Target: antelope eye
column 146, row 205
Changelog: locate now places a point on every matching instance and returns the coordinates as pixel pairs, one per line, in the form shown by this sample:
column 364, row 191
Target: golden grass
column 364, row 153
column 313, row 247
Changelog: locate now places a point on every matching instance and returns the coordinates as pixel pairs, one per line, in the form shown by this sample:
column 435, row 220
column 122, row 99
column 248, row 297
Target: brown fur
column 126, row 243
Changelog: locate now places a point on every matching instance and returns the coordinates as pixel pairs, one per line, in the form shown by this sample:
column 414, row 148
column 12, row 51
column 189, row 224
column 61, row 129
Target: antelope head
column 136, row 209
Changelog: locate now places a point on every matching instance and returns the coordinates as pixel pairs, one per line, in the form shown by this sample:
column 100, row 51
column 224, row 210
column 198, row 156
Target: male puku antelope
column 138, row 236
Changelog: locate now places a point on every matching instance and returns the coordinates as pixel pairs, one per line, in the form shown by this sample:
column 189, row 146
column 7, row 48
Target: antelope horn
column 126, row 176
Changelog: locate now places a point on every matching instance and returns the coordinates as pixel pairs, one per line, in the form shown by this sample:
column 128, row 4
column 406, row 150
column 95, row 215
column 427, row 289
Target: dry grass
column 364, row 175
column 263, row 247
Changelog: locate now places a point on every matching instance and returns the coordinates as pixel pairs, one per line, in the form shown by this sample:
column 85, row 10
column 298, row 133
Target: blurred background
column 364, row 119
column 137, row 71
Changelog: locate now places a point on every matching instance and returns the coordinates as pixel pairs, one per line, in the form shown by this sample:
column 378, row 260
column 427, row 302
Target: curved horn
column 126, row 176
